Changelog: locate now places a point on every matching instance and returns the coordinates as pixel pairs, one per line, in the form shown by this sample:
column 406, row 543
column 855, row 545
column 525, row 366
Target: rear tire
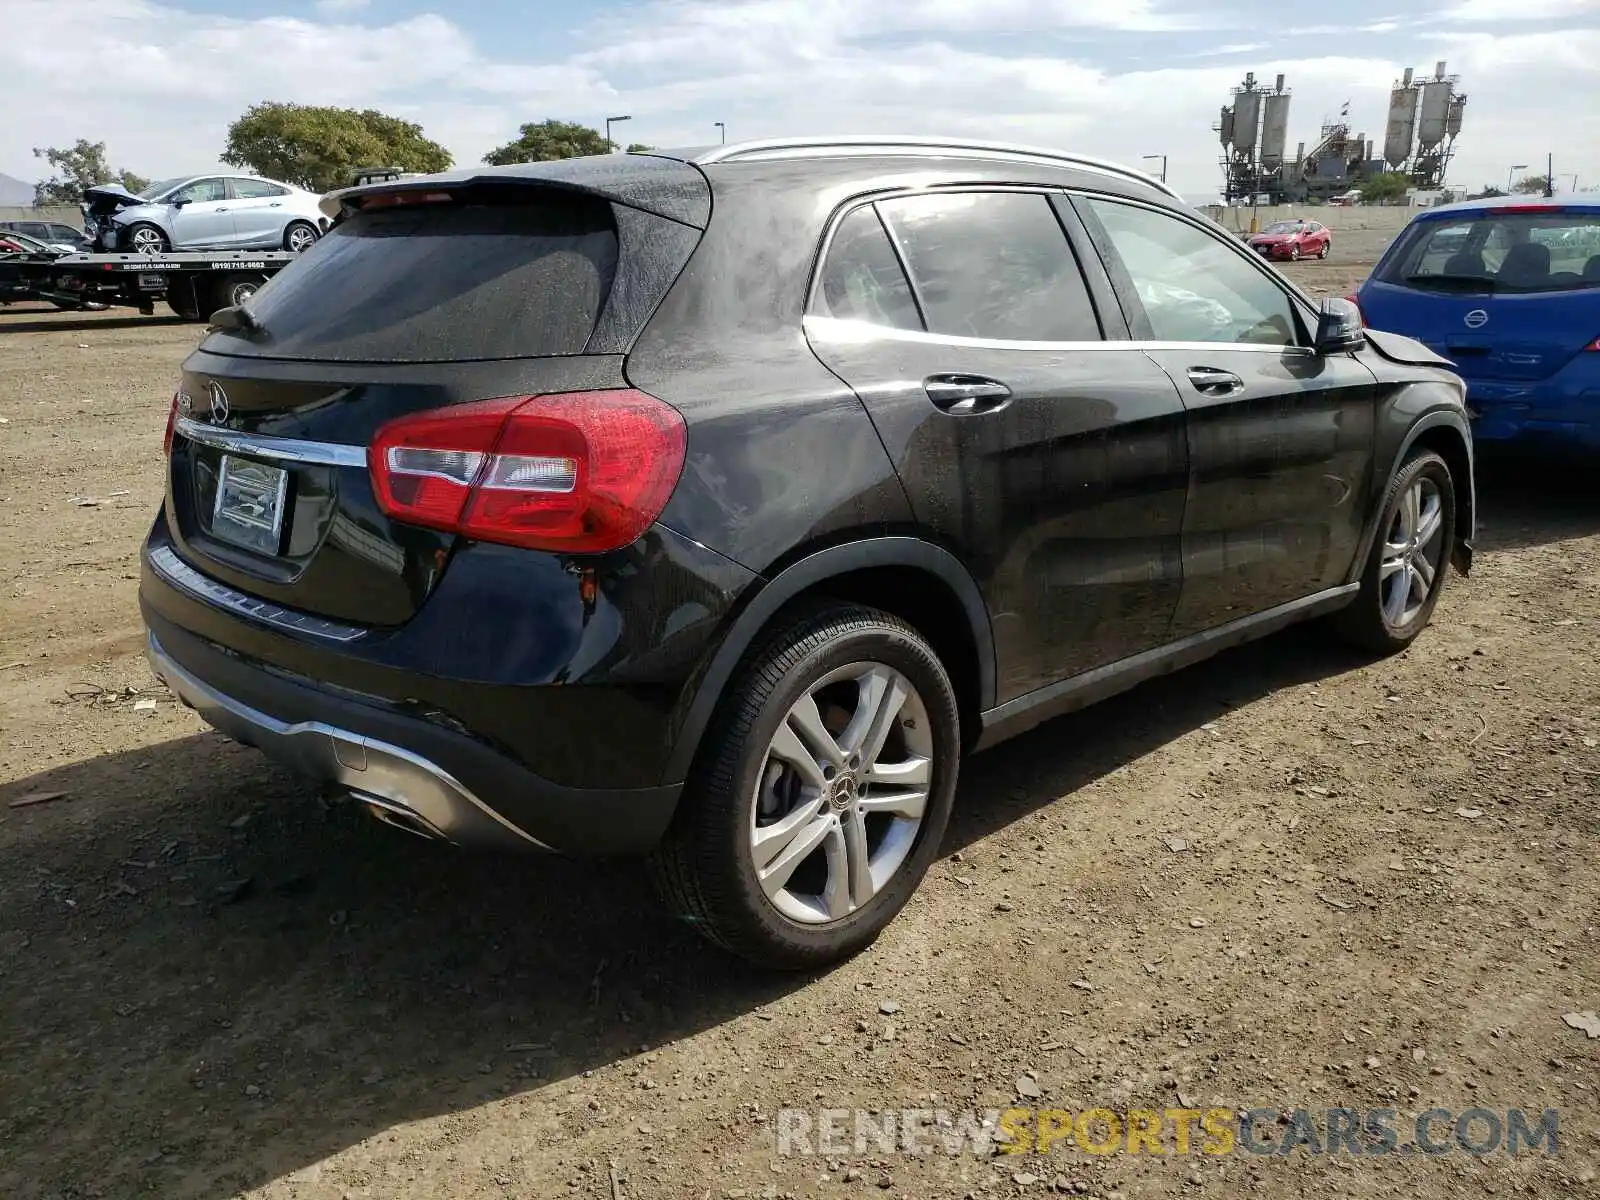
column 299, row 236
column 1410, row 557
column 789, row 777
column 1326, row 247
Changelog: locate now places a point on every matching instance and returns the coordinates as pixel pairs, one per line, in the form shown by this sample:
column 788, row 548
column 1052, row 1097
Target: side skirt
column 1023, row 713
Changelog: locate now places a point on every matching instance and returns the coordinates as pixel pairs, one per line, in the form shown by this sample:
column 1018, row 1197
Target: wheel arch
column 921, row 583
column 1447, row 433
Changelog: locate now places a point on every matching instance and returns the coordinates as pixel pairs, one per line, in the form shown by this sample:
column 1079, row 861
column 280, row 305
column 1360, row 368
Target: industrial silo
column 1435, row 113
column 1274, row 126
column 1246, row 118
column 1402, row 123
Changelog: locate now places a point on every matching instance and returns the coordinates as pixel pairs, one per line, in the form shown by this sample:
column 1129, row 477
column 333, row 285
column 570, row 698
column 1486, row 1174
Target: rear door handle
column 966, row 395
column 1210, row 381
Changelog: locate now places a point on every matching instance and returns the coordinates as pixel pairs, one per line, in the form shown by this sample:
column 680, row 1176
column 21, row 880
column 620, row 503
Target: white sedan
column 203, row 212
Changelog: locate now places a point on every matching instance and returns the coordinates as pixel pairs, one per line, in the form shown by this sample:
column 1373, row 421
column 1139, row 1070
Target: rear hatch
column 1507, row 294
column 416, row 300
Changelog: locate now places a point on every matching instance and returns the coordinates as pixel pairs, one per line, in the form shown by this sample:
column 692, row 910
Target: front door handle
column 966, row 395
column 1210, row 381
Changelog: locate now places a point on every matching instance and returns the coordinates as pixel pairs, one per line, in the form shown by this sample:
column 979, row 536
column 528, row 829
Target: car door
column 1280, row 437
column 258, row 213
column 202, row 215
column 1050, row 459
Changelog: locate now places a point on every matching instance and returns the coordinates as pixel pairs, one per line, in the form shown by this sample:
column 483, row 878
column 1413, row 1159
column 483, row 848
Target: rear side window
column 862, row 279
column 1510, row 252
column 257, row 189
column 446, row 282
column 993, row 265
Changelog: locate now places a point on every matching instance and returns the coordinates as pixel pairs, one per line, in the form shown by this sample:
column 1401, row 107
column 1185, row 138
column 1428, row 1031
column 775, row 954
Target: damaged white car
column 203, row 212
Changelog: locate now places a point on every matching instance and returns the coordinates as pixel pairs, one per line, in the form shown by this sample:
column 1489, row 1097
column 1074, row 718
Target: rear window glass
column 993, row 265
column 862, row 279
column 1511, row 252
column 451, row 282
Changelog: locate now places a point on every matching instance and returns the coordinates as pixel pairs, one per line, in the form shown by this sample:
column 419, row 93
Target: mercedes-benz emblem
column 1476, row 319
column 219, row 403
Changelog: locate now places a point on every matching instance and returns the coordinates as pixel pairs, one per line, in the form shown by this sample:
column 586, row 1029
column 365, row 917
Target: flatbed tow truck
column 194, row 284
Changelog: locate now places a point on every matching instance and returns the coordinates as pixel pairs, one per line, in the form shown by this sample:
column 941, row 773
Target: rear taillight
column 1594, row 346
column 1353, row 300
column 577, row 472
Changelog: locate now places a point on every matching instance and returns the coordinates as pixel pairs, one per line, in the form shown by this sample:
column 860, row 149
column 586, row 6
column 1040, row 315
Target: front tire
column 1326, row 248
column 1410, row 557
column 821, row 793
column 147, row 239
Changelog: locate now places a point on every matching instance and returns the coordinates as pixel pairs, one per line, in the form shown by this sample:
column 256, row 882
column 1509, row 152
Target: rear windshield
column 443, row 282
column 1501, row 252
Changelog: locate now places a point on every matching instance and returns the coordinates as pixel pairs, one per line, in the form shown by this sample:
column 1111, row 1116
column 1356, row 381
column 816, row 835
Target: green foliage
column 82, row 165
column 1391, row 185
column 1532, row 185
column 1488, row 193
column 319, row 148
column 639, row 148
column 546, row 140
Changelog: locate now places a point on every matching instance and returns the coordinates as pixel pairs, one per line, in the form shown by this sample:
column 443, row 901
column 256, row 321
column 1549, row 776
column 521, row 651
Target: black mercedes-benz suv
column 713, row 504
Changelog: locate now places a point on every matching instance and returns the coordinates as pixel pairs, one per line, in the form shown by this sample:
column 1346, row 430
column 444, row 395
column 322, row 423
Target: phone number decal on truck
column 226, row 265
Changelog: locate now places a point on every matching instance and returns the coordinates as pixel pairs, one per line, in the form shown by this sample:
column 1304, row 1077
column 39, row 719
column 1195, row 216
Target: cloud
column 1118, row 81
column 1520, row 11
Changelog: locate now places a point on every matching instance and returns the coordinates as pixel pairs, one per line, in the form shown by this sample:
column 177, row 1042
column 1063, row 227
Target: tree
column 319, row 148
column 81, row 166
column 639, row 148
column 547, row 140
column 1489, row 192
column 1380, row 189
column 1532, row 185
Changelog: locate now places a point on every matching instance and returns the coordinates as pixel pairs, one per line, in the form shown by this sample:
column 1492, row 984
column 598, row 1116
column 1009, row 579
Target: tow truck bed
column 193, row 283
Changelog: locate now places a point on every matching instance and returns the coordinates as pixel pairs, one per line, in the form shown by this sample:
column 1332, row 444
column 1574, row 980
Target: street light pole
column 724, row 128
column 1514, row 169
column 1163, row 158
column 610, row 121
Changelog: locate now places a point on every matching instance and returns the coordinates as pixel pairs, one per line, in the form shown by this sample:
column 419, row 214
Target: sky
column 160, row 80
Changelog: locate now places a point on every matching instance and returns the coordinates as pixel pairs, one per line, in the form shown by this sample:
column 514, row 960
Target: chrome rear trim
column 279, row 449
column 165, row 562
column 389, row 777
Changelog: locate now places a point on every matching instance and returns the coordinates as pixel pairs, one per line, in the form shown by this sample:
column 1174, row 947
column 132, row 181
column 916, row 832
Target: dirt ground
column 1288, row 878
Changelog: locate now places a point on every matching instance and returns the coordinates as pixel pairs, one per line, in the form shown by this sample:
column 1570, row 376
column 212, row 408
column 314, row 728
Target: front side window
column 993, row 265
column 1193, row 286
column 199, row 191
column 862, row 280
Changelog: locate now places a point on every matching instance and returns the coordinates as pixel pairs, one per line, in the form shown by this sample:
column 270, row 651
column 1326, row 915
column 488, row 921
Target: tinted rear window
column 993, row 265
column 1510, row 252
column 449, row 282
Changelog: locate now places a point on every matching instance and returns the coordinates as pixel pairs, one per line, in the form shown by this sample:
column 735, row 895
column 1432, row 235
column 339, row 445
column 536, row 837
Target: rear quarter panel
column 782, row 456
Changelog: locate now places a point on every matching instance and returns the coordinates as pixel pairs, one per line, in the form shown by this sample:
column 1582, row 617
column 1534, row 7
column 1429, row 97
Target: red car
column 1293, row 240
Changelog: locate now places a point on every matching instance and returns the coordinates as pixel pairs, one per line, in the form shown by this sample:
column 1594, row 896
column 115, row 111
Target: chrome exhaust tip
column 396, row 815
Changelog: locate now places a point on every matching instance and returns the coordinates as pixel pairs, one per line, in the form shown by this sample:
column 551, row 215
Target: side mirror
column 1339, row 328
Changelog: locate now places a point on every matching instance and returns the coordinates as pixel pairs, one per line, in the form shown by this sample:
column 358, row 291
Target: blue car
column 1509, row 291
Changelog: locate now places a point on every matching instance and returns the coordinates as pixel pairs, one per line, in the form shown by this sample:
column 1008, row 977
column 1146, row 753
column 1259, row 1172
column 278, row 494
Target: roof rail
column 799, row 147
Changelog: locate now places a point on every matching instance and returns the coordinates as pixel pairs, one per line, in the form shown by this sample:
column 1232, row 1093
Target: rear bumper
column 1557, row 412
column 426, row 778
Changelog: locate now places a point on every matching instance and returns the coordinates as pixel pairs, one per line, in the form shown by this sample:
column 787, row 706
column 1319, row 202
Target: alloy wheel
column 1412, row 553
column 841, row 793
column 301, row 239
column 148, row 241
